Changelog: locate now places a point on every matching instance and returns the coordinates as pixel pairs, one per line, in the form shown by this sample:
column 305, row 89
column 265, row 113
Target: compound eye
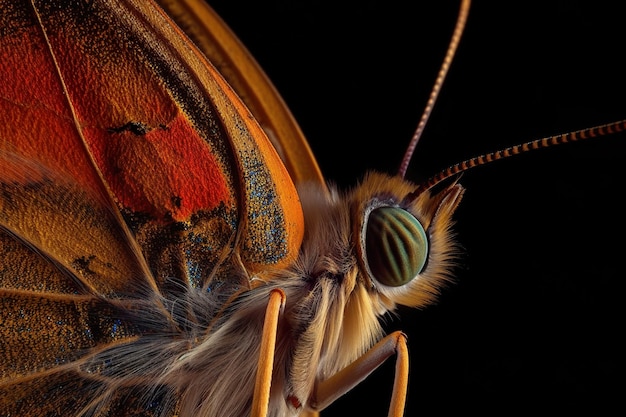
column 396, row 246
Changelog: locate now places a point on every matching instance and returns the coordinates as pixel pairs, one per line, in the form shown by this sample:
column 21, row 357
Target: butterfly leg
column 260, row 401
column 332, row 388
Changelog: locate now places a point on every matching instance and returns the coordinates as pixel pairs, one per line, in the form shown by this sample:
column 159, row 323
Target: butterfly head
column 404, row 243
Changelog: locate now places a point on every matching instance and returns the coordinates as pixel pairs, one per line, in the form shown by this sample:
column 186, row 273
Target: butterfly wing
column 129, row 171
column 222, row 47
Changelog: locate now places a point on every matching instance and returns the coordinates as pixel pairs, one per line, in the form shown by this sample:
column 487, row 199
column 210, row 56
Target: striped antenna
column 443, row 71
column 546, row 142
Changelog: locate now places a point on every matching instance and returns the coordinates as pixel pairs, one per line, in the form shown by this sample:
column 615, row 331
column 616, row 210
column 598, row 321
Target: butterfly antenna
column 443, row 71
column 546, row 142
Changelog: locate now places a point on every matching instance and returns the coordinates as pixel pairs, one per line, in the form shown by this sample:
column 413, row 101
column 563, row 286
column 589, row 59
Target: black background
column 535, row 320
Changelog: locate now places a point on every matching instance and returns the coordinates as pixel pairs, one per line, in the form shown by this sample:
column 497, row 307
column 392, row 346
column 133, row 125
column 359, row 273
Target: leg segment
column 260, row 401
column 346, row 379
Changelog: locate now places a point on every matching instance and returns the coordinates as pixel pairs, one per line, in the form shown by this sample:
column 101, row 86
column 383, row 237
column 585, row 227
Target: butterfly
column 134, row 129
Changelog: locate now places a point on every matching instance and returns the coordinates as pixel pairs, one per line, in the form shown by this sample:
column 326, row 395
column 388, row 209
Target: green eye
column 396, row 246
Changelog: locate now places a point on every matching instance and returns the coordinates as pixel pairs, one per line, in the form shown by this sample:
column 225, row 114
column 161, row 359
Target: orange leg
column 346, row 379
column 260, row 401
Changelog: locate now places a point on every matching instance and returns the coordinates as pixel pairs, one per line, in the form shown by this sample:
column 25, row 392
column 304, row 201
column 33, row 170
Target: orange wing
column 128, row 168
column 117, row 100
column 238, row 67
